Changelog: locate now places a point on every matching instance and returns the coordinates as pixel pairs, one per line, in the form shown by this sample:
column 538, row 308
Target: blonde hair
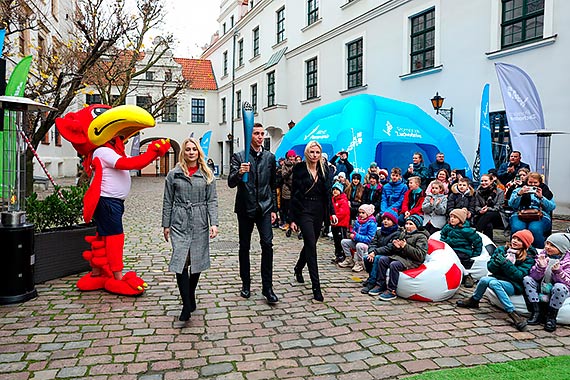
column 183, row 162
column 322, row 163
column 416, row 179
column 534, row 175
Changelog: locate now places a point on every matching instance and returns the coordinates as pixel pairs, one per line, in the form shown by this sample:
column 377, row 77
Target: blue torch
column 247, row 113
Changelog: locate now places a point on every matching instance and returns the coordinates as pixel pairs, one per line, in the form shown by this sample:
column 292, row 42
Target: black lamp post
column 447, row 113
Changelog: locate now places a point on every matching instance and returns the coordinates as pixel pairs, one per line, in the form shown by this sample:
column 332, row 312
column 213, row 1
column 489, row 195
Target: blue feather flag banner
column 205, row 142
column 247, row 113
column 485, row 146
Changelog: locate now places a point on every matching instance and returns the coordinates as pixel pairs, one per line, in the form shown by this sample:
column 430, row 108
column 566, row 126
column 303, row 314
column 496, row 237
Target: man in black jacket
column 256, row 203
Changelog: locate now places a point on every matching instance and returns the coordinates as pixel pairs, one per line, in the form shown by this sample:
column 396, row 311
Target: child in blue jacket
column 362, row 233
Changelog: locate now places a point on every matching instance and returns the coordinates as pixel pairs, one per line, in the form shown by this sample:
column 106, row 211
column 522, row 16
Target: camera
column 531, row 189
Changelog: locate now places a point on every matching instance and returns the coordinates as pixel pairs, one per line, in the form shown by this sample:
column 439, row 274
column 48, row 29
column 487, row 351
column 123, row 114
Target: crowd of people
column 378, row 222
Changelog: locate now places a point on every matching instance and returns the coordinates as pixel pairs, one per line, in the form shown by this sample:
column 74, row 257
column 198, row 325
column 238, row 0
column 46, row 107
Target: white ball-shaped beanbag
column 520, row 306
column 437, row 279
column 479, row 267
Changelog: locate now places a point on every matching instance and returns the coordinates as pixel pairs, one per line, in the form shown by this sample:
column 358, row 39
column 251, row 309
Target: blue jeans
column 538, row 228
column 503, row 289
column 372, row 268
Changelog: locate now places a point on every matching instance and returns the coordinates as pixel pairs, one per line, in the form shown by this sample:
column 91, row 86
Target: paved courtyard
column 67, row 334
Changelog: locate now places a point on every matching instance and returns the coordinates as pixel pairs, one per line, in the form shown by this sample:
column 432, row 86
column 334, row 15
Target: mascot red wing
column 98, row 133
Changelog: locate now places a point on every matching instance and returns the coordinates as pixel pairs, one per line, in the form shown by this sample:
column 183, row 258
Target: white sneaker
column 358, row 267
column 347, row 263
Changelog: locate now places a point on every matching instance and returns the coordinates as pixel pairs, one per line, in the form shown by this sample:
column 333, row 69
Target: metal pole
column 236, row 34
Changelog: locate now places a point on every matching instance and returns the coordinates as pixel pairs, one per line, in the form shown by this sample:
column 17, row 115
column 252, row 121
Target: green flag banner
column 15, row 87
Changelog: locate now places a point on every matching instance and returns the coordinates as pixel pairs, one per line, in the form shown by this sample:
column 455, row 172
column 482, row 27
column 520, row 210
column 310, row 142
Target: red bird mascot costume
column 98, row 133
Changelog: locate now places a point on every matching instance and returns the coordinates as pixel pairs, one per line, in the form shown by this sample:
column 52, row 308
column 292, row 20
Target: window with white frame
column 312, row 11
column 255, row 41
column 224, row 110
column 170, row 112
column 271, row 89
column 281, row 24
column 198, row 110
column 238, row 104
column 149, row 75
column 144, row 102
column 92, row 99
column 240, row 52
column 354, row 63
column 522, row 21
column 311, row 78
column 225, row 63
column 254, row 97
column 422, row 38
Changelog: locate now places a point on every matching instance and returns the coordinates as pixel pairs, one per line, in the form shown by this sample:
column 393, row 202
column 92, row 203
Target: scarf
column 384, row 231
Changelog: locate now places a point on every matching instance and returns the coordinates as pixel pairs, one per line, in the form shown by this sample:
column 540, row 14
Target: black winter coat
column 260, row 189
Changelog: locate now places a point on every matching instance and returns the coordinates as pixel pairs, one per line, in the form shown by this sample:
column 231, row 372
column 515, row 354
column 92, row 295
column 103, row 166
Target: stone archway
column 164, row 164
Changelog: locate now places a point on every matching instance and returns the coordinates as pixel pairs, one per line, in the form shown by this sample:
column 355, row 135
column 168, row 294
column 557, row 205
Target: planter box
column 59, row 253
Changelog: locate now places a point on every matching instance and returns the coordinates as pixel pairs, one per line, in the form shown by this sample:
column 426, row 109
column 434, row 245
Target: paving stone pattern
column 69, row 335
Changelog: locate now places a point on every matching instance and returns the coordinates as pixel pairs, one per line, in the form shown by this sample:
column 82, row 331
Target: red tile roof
column 199, row 73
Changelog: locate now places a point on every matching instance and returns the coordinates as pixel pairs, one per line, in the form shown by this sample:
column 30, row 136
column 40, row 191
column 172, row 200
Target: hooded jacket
column 414, row 253
column 503, row 269
column 342, row 210
column 364, row 230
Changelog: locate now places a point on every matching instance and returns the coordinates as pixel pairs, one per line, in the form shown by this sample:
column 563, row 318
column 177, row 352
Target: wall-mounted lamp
column 291, row 124
column 230, row 137
column 447, row 113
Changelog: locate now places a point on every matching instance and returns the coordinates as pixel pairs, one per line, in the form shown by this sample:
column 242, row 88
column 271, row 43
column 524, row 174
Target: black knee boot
column 534, row 313
column 194, row 277
column 551, row 315
column 184, row 288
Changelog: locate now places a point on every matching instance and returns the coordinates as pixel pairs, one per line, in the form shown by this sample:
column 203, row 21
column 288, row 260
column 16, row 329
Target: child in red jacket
column 342, row 211
column 413, row 199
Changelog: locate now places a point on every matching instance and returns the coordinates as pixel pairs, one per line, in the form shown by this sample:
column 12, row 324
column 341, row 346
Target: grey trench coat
column 190, row 207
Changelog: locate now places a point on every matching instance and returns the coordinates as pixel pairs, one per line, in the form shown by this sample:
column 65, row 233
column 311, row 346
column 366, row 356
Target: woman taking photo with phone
column 533, row 204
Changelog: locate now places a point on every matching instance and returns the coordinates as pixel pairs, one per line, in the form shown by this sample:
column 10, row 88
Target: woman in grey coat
column 190, row 219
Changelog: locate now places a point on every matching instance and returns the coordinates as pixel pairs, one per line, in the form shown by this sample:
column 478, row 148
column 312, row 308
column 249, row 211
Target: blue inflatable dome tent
column 373, row 128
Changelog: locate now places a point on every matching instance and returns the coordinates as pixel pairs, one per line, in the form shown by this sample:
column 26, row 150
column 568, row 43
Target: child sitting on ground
column 464, row 240
column 413, row 200
column 361, row 235
column 379, row 246
column 342, row 211
column 434, row 208
column 549, row 280
column 409, row 251
column 508, row 266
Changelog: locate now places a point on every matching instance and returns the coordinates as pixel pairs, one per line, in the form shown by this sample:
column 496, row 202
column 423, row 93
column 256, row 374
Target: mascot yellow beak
column 123, row 121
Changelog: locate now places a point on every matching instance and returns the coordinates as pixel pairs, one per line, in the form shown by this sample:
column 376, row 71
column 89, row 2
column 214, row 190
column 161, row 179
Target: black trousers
column 310, row 222
column 245, row 227
column 487, row 221
column 339, row 233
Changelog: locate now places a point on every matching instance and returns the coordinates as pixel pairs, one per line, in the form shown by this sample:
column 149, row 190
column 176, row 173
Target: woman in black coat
column 311, row 203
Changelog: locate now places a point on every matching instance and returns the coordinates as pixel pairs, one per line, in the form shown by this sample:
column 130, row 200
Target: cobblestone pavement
column 67, row 334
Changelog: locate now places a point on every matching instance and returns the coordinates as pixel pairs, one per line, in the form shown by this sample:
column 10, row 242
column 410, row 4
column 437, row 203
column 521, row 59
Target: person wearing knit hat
column 460, row 213
column 548, row 280
column 290, row 153
column 506, row 278
column 339, row 186
column 464, row 240
column 418, row 220
column 390, row 214
column 408, row 251
column 363, row 231
column 379, row 247
column 525, row 236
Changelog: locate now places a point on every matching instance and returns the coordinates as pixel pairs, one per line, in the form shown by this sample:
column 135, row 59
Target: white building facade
column 288, row 57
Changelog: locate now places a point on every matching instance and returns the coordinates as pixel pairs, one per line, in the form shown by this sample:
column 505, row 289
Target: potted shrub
column 59, row 233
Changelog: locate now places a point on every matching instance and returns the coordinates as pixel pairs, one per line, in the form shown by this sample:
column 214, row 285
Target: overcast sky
column 192, row 22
